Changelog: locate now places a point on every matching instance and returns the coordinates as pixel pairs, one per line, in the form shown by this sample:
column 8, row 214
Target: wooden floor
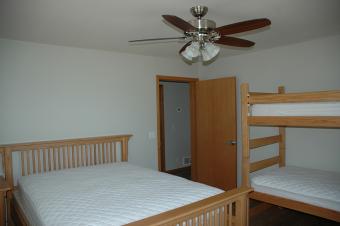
column 184, row 172
column 263, row 214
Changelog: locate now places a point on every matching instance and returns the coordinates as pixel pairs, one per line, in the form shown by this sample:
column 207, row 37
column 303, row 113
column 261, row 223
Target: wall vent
column 186, row 161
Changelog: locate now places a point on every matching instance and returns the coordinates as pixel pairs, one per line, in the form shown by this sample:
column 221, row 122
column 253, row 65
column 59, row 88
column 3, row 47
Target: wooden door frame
column 161, row 164
column 192, row 83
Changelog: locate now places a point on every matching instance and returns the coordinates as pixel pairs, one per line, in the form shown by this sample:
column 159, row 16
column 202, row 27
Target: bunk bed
column 311, row 191
column 88, row 181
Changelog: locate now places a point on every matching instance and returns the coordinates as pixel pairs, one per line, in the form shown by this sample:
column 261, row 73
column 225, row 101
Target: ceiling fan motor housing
column 205, row 27
column 203, row 24
column 205, row 31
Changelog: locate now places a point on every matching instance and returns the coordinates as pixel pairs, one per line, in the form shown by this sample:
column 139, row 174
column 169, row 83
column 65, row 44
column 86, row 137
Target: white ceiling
column 109, row 24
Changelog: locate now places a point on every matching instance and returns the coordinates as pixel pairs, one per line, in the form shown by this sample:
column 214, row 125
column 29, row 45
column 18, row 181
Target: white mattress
column 110, row 194
column 316, row 187
column 296, row 109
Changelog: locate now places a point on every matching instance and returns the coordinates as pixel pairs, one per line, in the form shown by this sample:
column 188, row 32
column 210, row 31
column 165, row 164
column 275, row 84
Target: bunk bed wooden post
column 8, row 167
column 282, row 133
column 245, row 135
column 125, row 149
column 8, row 176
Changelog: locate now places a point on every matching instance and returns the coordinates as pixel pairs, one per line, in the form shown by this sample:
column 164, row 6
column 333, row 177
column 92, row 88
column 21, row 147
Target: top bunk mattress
column 109, row 194
column 296, row 109
column 316, row 187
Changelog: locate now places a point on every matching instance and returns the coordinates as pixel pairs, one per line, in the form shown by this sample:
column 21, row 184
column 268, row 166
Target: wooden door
column 216, row 152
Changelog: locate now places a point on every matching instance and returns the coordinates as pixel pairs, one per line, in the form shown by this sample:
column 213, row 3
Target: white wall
column 307, row 66
column 53, row 92
column 176, row 123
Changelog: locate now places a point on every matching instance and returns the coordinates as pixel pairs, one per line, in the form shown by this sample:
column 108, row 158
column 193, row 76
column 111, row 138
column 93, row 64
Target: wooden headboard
column 45, row 156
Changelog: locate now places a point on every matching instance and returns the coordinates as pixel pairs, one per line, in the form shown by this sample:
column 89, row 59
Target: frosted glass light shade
column 209, row 51
column 191, row 51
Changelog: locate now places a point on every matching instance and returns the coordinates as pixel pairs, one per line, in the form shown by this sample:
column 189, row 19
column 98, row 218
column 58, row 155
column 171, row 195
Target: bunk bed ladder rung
column 263, row 141
column 255, row 166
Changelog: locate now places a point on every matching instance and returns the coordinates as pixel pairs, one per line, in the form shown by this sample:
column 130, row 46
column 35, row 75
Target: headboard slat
column 49, row 159
column 111, row 154
column 87, row 155
column 22, row 163
column 28, row 162
column 73, row 156
column 59, row 152
column 103, row 153
column 44, row 159
column 98, row 153
column 95, row 154
column 82, row 151
column 64, row 151
column 39, row 159
column 107, row 153
column 79, row 155
column 54, row 158
column 33, row 160
column 115, row 152
column 91, row 155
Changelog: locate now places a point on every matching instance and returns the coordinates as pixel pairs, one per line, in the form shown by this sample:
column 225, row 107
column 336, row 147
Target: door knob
column 232, row 142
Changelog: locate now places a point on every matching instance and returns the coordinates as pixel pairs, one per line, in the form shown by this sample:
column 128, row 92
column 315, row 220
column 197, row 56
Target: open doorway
column 176, row 125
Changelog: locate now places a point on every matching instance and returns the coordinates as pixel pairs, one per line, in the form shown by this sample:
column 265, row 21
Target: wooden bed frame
column 249, row 98
column 229, row 208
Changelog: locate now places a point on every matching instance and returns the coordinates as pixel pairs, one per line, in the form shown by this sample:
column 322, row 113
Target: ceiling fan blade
column 243, row 26
column 156, row 39
column 184, row 47
column 179, row 23
column 232, row 41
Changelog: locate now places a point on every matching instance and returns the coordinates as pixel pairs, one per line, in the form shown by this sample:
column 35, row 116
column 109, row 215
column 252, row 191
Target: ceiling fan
column 202, row 34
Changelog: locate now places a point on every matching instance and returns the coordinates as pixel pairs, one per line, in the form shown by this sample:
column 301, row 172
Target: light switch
column 152, row 135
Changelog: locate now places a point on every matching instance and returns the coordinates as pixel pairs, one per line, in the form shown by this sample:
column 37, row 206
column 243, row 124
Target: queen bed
column 108, row 194
column 89, row 182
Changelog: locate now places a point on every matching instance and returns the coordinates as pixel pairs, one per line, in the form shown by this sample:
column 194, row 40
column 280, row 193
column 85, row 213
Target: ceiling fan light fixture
column 209, row 51
column 192, row 51
column 202, row 34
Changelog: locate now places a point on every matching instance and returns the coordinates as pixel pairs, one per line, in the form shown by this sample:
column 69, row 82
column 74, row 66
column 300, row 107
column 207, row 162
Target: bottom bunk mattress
column 315, row 187
column 109, row 194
